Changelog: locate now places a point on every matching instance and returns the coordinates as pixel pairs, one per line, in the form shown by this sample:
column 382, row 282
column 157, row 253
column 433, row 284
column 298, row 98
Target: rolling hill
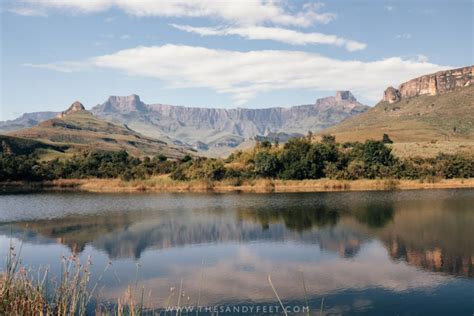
column 428, row 114
column 78, row 129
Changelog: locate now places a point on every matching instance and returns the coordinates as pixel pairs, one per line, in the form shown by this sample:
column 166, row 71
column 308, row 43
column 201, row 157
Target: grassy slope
column 420, row 125
column 82, row 130
column 24, row 146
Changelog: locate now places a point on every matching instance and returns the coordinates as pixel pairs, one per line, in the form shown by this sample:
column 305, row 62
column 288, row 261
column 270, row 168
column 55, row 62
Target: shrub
column 266, row 164
column 386, row 139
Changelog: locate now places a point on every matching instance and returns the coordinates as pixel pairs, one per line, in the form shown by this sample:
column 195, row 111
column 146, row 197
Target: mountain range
column 78, row 129
column 213, row 130
column 423, row 116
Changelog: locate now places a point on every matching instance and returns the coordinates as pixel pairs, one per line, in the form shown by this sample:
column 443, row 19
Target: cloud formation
column 250, row 19
column 276, row 34
column 243, row 75
column 248, row 12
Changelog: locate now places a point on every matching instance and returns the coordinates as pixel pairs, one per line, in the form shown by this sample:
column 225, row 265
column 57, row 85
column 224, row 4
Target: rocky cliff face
column 125, row 104
column 205, row 128
column 433, row 84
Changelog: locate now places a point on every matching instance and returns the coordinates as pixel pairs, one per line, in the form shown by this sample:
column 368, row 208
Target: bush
column 386, row 139
column 266, row 164
column 298, row 159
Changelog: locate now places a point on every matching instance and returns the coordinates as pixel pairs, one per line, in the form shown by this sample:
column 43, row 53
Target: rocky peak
column 74, row 108
column 345, row 95
column 124, row 104
column 432, row 84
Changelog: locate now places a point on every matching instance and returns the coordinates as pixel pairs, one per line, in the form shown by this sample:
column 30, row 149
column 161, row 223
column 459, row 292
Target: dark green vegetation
column 83, row 165
column 302, row 159
column 24, row 146
column 298, row 159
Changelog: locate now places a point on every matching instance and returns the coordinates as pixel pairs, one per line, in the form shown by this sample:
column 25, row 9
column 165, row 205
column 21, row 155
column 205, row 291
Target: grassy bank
column 166, row 184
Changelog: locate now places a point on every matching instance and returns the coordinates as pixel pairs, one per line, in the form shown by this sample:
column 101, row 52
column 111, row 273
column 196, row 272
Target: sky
column 216, row 53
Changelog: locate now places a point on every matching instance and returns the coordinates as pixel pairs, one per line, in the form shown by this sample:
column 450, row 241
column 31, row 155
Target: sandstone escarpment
column 206, row 128
column 432, row 84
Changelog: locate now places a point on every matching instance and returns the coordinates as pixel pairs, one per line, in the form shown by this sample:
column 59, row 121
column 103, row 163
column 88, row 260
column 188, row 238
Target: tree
column 376, row 152
column 186, row 158
column 328, row 139
column 294, row 159
column 266, row 164
column 266, row 144
column 161, row 157
column 386, row 139
column 276, row 141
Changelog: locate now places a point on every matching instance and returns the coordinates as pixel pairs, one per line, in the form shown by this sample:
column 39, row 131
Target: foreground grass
column 26, row 292
column 165, row 184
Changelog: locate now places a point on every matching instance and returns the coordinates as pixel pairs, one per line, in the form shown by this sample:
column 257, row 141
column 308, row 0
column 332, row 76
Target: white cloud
column 246, row 74
column 25, row 11
column 248, row 12
column 390, row 7
column 67, row 67
column 421, row 58
column 276, row 34
column 403, row 36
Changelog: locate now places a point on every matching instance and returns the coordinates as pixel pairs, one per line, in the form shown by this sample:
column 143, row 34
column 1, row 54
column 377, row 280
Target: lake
column 368, row 253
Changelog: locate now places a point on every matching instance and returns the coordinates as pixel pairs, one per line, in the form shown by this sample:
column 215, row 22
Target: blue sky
column 251, row 53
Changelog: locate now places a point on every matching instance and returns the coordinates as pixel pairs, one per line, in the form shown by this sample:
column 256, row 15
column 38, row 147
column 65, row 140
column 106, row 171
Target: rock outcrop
column 345, row 95
column 391, row 95
column 125, row 104
column 74, row 108
column 432, row 84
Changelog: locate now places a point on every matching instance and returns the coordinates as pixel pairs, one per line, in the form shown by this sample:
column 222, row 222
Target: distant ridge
column 213, row 130
column 221, row 130
column 78, row 129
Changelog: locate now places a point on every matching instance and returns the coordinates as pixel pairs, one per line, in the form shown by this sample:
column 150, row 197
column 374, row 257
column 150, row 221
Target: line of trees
column 297, row 159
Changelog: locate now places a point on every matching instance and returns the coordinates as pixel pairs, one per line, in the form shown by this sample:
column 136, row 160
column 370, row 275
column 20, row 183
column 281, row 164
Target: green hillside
column 419, row 125
column 80, row 130
column 24, row 146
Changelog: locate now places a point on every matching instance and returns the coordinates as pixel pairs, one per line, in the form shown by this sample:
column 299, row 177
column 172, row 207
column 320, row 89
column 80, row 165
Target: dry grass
column 165, row 184
column 430, row 149
column 22, row 294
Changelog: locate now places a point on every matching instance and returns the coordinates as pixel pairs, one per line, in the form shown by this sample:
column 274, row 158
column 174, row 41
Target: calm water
column 377, row 253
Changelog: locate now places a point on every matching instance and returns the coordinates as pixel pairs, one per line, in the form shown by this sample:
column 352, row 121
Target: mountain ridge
column 79, row 129
column 196, row 126
column 213, row 130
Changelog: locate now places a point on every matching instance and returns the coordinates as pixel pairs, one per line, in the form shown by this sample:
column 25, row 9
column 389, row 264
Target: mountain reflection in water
column 335, row 238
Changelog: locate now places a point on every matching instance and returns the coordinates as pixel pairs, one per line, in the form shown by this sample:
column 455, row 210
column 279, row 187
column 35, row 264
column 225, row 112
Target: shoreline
column 164, row 184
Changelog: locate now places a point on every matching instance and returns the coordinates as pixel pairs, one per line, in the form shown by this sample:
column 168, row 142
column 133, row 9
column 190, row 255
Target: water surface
column 374, row 253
